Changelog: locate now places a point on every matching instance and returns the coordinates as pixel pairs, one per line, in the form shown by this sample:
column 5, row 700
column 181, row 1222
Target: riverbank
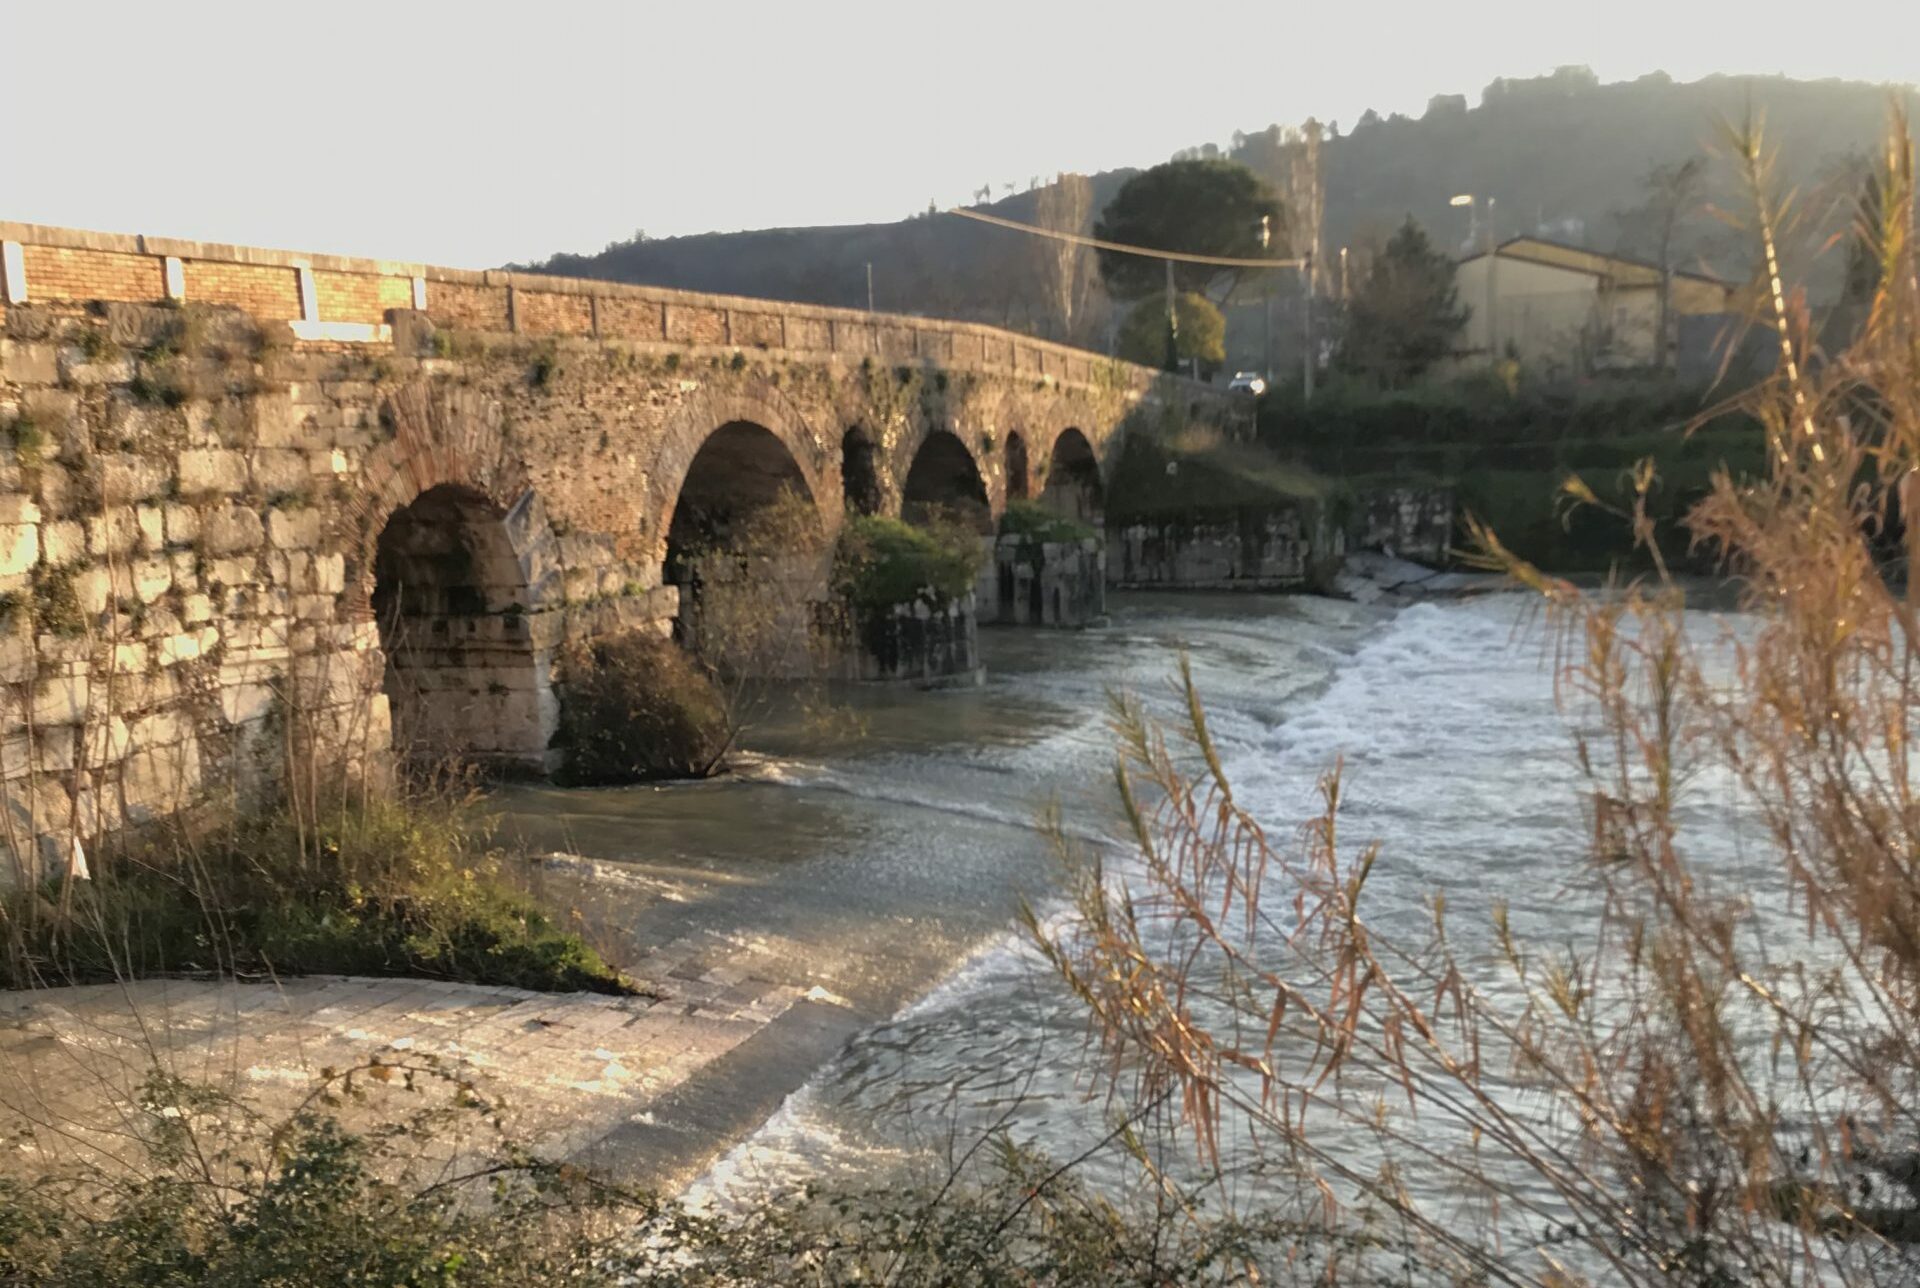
column 777, row 914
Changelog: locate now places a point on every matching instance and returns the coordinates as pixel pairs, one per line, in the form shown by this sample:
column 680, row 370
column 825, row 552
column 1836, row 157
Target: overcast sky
column 474, row 133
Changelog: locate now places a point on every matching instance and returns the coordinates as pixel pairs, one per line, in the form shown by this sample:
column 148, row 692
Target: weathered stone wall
column 1043, row 583
column 916, row 643
column 1278, row 547
column 231, row 472
column 1271, row 548
column 1411, row 522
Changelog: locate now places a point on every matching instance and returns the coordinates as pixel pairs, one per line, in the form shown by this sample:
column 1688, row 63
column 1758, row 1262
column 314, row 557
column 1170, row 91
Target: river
column 890, row 860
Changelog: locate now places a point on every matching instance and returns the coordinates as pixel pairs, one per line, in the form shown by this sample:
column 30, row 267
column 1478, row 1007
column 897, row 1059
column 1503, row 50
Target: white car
column 1251, row 381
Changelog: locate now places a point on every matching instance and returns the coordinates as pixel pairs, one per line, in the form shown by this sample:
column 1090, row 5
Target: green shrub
column 1032, row 521
column 304, row 1200
column 377, row 888
column 214, row 1203
column 636, row 707
column 882, row 562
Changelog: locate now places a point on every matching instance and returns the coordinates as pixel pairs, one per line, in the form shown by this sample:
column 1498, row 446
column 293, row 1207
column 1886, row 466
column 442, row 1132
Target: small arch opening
column 1073, row 479
column 859, row 472
column 944, row 479
column 451, row 602
column 1018, row 471
column 748, row 551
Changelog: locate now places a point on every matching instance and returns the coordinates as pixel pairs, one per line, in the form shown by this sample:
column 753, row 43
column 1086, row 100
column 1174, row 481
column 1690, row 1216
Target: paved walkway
column 567, row 1070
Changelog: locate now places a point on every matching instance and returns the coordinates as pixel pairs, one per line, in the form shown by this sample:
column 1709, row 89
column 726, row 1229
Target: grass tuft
column 382, row 888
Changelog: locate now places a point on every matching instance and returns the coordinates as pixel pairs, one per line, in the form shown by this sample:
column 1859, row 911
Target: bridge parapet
column 341, row 298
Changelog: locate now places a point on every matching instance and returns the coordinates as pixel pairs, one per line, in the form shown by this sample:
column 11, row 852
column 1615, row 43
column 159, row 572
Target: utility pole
column 869, row 286
column 1173, row 325
column 1266, row 342
column 1493, row 267
column 1307, row 359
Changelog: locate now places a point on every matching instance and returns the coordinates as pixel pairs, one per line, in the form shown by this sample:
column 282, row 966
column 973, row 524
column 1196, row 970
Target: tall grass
column 1719, row 1083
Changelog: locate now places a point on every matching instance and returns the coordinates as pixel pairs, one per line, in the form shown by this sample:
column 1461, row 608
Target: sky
column 472, row 134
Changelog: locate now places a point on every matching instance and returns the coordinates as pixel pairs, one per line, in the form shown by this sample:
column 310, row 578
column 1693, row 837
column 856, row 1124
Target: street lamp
column 1472, row 202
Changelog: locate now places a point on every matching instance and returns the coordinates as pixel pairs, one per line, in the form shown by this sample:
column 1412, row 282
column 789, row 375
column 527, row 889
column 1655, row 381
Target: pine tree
column 1406, row 312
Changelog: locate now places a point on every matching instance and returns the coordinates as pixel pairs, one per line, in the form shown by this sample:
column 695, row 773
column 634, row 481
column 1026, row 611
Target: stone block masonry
column 254, row 502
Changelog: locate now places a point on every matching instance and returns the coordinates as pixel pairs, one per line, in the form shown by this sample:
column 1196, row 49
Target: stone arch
column 1073, row 483
column 741, row 468
column 688, row 432
column 451, row 602
column 861, row 491
column 944, row 475
column 748, row 573
column 470, row 571
column 1019, row 471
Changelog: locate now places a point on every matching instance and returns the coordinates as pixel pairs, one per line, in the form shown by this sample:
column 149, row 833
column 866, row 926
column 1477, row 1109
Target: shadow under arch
column 944, row 477
column 1074, row 486
column 451, row 600
column 1019, row 470
column 746, row 545
column 860, row 489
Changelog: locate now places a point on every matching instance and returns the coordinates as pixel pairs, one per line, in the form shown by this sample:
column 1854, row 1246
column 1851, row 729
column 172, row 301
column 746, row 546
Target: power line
column 1145, row 252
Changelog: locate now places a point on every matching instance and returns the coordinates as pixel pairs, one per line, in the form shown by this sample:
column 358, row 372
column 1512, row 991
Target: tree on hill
column 1201, row 337
column 1672, row 196
column 1064, row 271
column 1405, row 313
column 1204, row 207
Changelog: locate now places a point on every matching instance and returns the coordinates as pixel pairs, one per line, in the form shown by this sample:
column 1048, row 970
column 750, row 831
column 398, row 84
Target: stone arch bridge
column 246, row 485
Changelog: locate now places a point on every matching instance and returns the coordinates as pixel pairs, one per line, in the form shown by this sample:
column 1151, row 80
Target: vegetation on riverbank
column 369, row 887
column 206, row 1193
column 1712, row 1080
column 1197, row 470
column 1551, row 467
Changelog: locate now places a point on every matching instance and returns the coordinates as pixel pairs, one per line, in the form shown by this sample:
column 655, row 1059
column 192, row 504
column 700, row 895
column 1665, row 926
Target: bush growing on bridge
column 882, row 562
column 637, row 707
column 1032, row 521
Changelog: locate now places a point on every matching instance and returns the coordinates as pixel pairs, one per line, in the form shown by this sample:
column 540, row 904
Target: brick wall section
column 692, row 325
column 76, row 265
column 758, row 330
column 809, row 335
column 546, row 314
column 481, row 308
column 66, row 273
column 265, row 292
column 896, row 343
column 629, row 319
column 360, row 297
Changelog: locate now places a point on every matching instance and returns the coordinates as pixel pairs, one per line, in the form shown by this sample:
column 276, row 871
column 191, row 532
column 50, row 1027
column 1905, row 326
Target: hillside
column 930, row 264
column 1562, row 155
